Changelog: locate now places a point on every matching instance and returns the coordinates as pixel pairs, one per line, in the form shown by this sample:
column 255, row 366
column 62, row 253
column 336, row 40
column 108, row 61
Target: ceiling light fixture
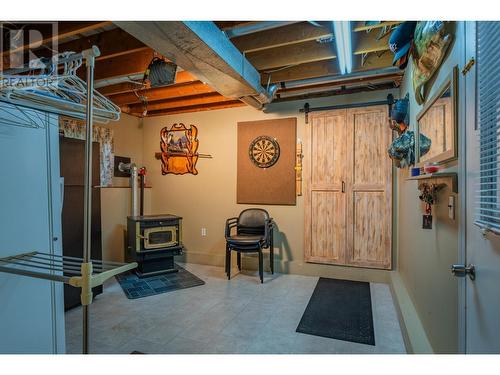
column 342, row 30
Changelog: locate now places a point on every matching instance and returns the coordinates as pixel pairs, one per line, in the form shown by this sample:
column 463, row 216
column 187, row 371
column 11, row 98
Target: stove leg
column 238, row 259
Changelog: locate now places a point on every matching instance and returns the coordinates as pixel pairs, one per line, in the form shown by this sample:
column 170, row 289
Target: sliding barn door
column 325, row 215
column 348, row 185
column 369, row 188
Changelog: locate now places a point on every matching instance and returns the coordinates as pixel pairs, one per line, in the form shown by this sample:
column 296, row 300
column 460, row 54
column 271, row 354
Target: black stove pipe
column 141, row 198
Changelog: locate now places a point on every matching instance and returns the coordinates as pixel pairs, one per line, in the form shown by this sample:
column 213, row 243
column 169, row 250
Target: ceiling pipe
column 255, row 27
column 339, row 78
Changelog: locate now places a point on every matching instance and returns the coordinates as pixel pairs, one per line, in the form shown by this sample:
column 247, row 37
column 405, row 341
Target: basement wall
column 209, row 198
column 116, row 200
column 423, row 280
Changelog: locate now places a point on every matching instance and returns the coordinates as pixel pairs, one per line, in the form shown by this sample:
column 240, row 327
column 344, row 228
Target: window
column 488, row 91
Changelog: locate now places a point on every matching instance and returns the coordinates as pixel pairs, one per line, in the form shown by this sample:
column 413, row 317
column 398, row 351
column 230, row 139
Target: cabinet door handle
column 343, row 187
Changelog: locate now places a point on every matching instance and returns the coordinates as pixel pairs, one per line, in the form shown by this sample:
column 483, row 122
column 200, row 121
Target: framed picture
column 179, row 146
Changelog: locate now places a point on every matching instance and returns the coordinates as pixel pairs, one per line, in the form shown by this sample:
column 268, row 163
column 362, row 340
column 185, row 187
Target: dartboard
column 264, row 151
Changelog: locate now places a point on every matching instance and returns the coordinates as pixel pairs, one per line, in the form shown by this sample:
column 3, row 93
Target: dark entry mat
column 340, row 309
column 135, row 287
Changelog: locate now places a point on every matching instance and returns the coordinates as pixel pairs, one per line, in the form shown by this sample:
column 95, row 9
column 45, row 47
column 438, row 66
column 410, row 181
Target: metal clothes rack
column 65, row 269
column 74, row 97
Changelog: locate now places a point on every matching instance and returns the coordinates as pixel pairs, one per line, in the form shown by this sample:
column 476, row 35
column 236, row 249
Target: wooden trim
column 448, row 155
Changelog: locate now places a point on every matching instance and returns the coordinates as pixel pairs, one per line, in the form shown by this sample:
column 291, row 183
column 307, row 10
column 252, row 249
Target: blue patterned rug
column 135, row 287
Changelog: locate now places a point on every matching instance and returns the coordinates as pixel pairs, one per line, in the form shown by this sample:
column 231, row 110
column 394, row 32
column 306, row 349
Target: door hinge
column 468, row 66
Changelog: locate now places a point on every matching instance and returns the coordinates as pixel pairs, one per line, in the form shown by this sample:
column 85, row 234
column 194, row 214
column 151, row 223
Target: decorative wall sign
column 266, row 162
column 264, row 151
column 179, row 146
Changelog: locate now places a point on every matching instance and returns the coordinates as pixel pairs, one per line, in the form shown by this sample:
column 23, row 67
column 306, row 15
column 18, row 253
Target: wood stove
column 153, row 241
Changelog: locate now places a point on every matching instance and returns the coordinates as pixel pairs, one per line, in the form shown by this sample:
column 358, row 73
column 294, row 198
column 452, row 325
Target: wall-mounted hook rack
column 448, row 178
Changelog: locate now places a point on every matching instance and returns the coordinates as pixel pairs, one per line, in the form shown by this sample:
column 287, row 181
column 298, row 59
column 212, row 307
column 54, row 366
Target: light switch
column 451, row 207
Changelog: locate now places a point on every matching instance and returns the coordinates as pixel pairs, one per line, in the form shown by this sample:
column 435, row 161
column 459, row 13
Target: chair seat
column 245, row 240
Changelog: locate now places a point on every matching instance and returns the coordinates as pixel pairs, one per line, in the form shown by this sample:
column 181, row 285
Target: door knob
column 460, row 270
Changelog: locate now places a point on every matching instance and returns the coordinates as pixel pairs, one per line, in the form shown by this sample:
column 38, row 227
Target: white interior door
column 482, row 302
column 32, row 310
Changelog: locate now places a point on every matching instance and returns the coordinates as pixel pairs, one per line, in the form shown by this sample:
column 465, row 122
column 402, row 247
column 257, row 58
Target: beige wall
column 425, row 256
column 209, row 198
column 115, row 201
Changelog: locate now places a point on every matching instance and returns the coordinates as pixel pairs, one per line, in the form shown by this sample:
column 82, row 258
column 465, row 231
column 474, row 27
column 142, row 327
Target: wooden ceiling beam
column 282, row 36
column 176, row 103
column 64, row 30
column 162, row 93
column 120, row 88
column 197, row 108
column 293, row 54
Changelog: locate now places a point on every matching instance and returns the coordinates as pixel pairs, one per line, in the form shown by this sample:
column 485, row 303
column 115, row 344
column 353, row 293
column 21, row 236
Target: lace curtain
column 73, row 128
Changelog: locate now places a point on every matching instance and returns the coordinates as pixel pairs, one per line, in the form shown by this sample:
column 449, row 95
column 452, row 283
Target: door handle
column 343, row 187
column 461, row 270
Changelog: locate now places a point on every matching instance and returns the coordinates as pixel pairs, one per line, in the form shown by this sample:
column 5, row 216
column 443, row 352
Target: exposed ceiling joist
column 120, row 88
column 64, row 30
column 161, row 93
column 327, row 68
column 367, row 42
column 112, row 43
column 210, row 98
column 303, row 71
column 255, row 27
column 361, row 26
column 292, row 54
column 123, row 65
column 197, row 108
column 282, row 36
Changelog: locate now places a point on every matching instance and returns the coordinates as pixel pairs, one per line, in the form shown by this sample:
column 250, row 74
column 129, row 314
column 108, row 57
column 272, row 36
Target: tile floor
column 238, row 316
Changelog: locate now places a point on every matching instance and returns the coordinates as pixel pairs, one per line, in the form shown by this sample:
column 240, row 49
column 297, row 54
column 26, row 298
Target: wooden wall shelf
column 448, row 178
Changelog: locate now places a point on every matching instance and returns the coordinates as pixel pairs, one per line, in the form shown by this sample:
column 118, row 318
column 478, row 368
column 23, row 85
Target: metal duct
column 132, row 168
